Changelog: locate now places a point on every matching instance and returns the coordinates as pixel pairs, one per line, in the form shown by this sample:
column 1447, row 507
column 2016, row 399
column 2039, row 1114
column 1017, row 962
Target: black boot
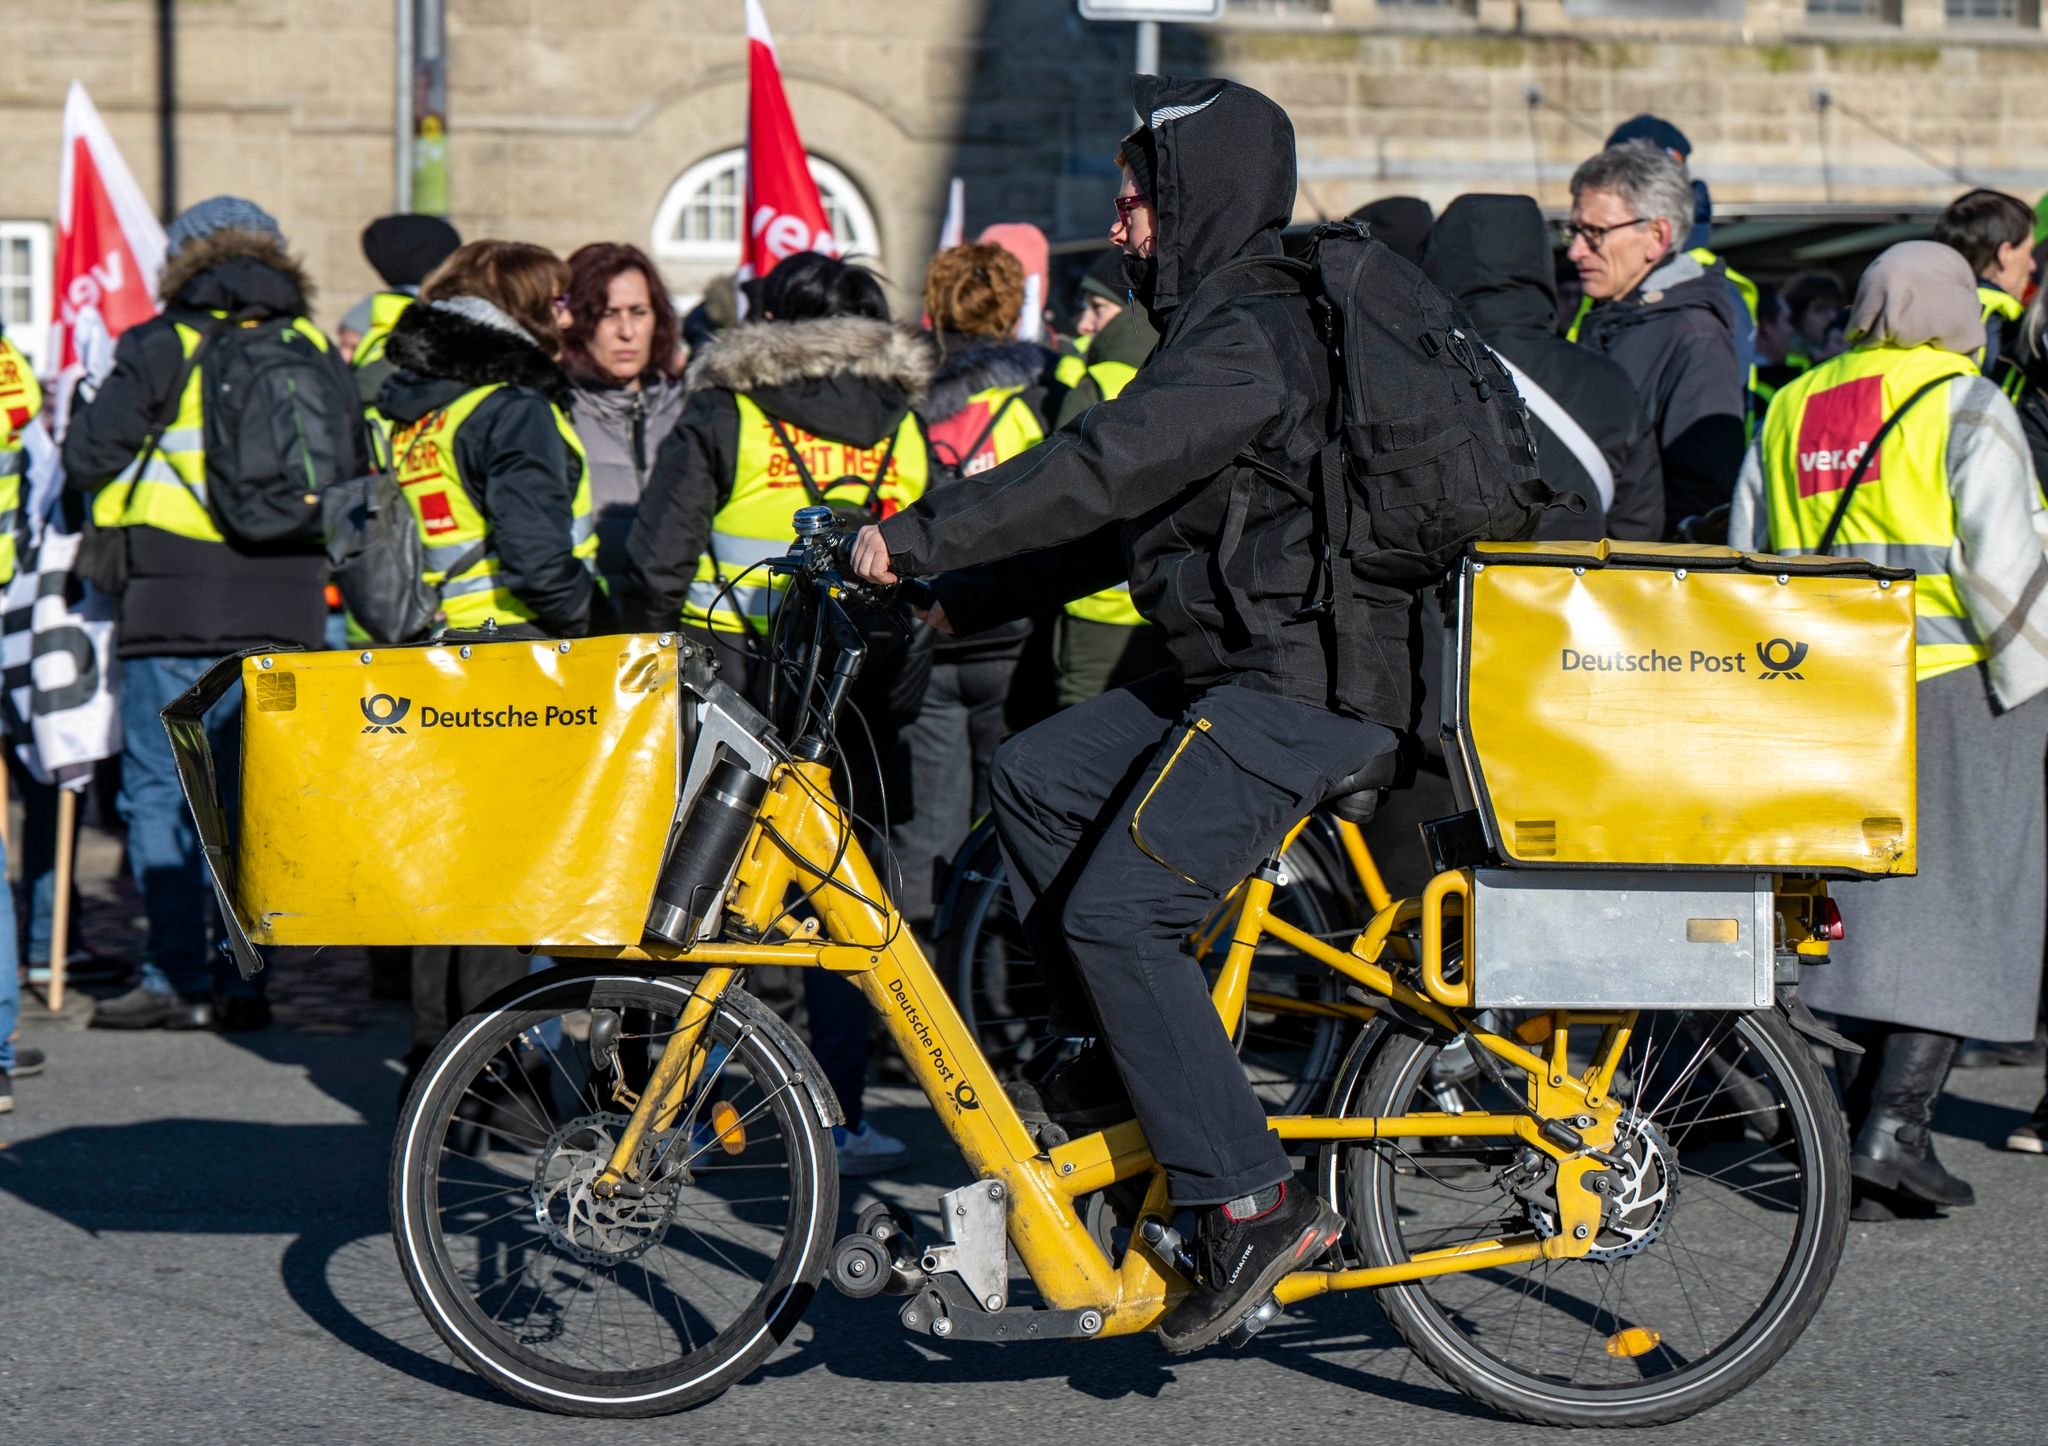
column 1893, row 1149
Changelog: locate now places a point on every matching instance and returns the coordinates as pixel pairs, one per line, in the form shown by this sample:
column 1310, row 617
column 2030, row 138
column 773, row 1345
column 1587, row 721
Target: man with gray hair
column 1666, row 317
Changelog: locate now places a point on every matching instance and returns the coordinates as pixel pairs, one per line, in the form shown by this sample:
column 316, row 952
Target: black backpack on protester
column 280, row 419
column 378, row 559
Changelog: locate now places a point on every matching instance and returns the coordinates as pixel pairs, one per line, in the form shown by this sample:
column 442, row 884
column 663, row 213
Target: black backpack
column 281, row 425
column 377, row 558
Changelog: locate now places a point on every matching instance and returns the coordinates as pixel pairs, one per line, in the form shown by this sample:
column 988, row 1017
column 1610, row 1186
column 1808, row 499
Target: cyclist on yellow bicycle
column 1124, row 819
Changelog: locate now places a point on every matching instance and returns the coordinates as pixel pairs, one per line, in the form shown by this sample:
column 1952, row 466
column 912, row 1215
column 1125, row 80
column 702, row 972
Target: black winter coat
column 1675, row 337
column 516, row 467
column 1493, row 254
column 188, row 598
column 1150, row 487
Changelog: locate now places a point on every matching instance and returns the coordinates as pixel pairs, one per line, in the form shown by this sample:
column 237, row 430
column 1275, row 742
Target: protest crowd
column 583, row 460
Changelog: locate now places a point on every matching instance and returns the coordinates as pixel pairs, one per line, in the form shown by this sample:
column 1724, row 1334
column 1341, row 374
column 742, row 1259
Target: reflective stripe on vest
column 754, row 524
column 1902, row 514
column 20, row 399
column 1112, row 605
column 451, row 525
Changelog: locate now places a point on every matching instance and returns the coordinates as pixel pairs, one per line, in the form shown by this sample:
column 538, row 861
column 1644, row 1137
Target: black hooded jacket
column 845, row 379
column 1154, row 487
column 188, row 598
column 1675, row 337
column 1493, row 254
column 514, row 464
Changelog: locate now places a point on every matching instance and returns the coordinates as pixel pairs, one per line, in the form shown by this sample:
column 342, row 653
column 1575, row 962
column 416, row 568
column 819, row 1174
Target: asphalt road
column 193, row 1248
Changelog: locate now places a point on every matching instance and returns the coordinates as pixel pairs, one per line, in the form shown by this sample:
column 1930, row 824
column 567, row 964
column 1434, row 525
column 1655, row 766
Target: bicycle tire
column 1394, row 1070
column 769, row 1055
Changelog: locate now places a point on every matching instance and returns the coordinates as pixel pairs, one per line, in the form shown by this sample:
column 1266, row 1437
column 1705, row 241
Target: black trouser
column 1123, row 821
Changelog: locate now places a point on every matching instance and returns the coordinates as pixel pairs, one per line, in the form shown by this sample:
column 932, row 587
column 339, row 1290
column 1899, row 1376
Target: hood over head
column 1918, row 293
column 1493, row 254
column 1218, row 165
column 843, row 377
column 970, row 364
column 444, row 349
column 232, row 269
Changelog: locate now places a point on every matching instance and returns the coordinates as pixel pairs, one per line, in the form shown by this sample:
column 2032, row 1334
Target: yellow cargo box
column 1634, row 705
column 514, row 793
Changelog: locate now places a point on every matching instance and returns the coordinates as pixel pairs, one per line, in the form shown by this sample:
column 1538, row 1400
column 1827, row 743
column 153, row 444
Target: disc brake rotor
column 1639, row 1196
column 581, row 1224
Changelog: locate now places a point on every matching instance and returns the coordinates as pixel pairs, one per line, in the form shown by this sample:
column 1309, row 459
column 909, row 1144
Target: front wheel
column 621, row 1306
column 1724, row 1223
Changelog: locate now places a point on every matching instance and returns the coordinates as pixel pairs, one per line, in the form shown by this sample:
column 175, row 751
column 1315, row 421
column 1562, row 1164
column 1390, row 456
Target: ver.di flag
column 785, row 214
column 110, row 248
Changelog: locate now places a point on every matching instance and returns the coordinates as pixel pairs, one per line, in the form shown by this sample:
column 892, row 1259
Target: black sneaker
column 1241, row 1260
column 1081, row 1094
column 28, row 1060
column 146, row 1008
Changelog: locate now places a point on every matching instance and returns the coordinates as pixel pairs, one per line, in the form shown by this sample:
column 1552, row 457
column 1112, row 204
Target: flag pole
column 60, row 906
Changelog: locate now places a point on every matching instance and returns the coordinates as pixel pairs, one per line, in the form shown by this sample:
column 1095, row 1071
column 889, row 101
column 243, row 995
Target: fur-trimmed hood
column 235, row 270
column 441, row 353
column 968, row 365
column 846, row 378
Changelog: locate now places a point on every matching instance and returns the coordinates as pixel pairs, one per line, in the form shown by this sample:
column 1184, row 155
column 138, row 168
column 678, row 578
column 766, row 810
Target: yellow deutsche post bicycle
column 1587, row 1161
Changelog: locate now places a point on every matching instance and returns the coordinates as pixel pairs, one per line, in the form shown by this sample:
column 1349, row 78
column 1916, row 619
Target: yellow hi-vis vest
column 20, row 400
column 995, row 425
column 1073, row 365
column 1112, row 604
column 385, row 309
column 767, row 489
column 1901, row 515
column 169, row 492
column 2001, row 303
column 451, row 525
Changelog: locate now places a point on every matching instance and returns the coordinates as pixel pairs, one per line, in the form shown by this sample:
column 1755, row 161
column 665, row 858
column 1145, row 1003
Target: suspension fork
column 681, row 1063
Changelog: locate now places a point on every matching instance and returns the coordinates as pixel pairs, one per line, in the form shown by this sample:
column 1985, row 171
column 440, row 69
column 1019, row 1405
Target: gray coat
column 622, row 430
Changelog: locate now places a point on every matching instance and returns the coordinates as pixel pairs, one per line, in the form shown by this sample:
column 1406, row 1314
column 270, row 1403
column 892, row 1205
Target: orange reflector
column 732, row 1135
column 1633, row 1342
column 1534, row 1030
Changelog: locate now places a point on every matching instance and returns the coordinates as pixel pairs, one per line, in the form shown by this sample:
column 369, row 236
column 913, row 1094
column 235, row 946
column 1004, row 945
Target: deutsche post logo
column 1781, row 658
column 964, row 1096
column 387, row 713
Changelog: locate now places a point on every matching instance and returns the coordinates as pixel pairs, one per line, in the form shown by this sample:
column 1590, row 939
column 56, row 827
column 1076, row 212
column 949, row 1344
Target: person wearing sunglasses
column 1667, row 318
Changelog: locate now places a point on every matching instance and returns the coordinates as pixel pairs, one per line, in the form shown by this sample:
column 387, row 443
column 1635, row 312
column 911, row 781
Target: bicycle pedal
column 1239, row 1335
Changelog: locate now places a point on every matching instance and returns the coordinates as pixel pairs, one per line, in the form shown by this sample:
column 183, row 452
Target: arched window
column 700, row 219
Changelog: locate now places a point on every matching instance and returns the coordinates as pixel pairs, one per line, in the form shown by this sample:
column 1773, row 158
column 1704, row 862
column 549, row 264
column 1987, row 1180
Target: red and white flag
column 110, row 247
column 785, row 214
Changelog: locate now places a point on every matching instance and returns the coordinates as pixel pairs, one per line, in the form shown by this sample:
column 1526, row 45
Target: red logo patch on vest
column 435, row 513
column 952, row 437
column 1834, row 432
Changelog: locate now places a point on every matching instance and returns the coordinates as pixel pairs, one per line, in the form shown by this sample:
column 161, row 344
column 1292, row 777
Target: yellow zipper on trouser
column 1201, row 726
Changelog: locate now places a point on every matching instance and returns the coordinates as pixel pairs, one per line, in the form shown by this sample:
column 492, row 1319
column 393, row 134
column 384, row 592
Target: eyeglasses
column 1127, row 204
column 1595, row 237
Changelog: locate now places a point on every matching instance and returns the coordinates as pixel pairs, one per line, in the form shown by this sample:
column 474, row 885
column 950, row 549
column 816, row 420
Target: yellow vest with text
column 451, row 524
column 1902, row 514
column 169, row 493
column 1113, row 604
column 20, row 399
column 730, row 592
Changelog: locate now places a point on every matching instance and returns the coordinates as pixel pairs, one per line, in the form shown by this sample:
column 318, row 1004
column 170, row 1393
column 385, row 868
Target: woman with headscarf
column 622, row 347
column 1947, row 490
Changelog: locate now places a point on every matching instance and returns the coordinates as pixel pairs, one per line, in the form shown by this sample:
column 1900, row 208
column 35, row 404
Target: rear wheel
column 1725, row 1222
column 622, row 1306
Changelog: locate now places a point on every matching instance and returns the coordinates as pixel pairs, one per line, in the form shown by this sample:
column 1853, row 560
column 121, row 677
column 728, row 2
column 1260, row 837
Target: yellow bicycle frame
column 802, row 845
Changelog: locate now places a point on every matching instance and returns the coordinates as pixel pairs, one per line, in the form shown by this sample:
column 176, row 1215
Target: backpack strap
column 1863, row 463
column 961, row 460
column 154, row 443
column 803, row 472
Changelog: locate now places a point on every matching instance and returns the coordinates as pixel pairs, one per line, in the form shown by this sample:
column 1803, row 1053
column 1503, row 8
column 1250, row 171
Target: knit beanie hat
column 1658, row 131
column 404, row 248
column 1105, row 278
column 217, row 213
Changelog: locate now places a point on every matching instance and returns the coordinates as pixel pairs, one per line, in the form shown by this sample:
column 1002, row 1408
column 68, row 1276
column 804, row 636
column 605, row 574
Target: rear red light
column 1829, row 925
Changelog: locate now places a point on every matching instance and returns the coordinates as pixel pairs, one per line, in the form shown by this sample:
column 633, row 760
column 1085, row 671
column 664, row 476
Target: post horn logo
column 385, row 713
column 1781, row 658
column 964, row 1096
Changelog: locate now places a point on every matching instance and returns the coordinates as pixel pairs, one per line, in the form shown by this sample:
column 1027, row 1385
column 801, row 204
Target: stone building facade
column 570, row 123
